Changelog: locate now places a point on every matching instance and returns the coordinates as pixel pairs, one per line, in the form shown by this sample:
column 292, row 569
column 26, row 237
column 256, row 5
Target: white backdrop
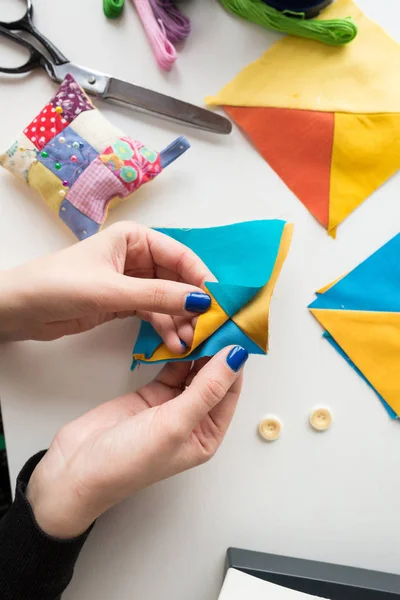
column 331, row 497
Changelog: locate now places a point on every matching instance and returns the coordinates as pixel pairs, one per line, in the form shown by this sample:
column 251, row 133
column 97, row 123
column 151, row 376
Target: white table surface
column 331, row 497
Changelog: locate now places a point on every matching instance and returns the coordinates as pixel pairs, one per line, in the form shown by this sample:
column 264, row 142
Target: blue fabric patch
column 81, row 225
column 342, row 353
column 372, row 286
column 173, row 151
column 238, row 254
column 148, row 340
column 232, row 297
column 60, row 150
column 228, row 334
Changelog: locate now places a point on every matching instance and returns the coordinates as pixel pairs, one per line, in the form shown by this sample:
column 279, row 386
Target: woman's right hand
column 172, row 424
column 125, row 270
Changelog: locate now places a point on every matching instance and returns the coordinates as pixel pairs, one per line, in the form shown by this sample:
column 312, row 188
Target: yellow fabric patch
column 206, row 325
column 253, row 319
column 96, row 129
column 372, row 341
column 114, row 202
column 19, row 158
column 48, row 185
column 366, row 152
column 360, row 77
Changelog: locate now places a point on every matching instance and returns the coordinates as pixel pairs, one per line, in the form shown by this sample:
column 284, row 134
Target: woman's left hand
column 126, row 270
column 174, row 423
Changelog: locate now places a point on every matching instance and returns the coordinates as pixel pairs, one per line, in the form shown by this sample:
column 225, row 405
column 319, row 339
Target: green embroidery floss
column 113, row 8
column 334, row 32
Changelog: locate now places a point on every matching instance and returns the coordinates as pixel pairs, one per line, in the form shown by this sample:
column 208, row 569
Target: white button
column 270, row 428
column 321, row 419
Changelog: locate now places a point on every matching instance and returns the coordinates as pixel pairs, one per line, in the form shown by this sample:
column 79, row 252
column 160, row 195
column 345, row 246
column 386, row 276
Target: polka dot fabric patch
column 45, row 126
column 80, row 163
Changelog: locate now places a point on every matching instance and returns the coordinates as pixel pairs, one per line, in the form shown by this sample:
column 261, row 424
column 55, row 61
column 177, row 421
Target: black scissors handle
column 26, row 24
column 36, row 59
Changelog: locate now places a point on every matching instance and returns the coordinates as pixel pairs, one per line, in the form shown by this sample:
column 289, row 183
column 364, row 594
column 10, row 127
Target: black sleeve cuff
column 33, row 565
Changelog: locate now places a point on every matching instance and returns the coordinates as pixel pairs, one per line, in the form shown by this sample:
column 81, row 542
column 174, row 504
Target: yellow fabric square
column 96, row 129
column 48, row 185
column 360, row 77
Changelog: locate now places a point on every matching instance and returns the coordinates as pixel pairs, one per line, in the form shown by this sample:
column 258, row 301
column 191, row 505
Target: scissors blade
column 165, row 106
column 134, row 96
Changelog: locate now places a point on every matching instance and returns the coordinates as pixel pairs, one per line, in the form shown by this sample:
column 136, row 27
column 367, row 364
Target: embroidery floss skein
column 176, row 24
column 334, row 32
column 163, row 49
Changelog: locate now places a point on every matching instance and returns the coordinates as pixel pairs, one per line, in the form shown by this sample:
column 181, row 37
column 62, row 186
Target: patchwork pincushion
column 80, row 163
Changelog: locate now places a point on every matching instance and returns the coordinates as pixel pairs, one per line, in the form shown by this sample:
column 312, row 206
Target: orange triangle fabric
column 297, row 144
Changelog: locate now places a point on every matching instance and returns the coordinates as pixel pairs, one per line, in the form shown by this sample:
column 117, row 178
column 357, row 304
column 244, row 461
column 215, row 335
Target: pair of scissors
column 57, row 66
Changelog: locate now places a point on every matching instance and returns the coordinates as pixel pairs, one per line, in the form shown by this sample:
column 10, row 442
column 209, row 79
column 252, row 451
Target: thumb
column 210, row 386
column 156, row 295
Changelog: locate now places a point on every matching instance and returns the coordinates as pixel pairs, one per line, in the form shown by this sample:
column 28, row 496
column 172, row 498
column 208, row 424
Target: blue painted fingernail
column 197, row 302
column 182, row 343
column 236, row 358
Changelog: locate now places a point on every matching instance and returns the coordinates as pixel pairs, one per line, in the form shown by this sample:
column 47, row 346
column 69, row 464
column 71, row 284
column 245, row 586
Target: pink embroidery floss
column 177, row 25
column 163, row 49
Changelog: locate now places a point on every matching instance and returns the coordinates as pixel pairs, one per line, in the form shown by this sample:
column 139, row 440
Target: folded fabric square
column 326, row 119
column 80, row 163
column 361, row 315
column 246, row 259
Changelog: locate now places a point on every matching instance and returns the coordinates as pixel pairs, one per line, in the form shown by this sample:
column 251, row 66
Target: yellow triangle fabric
column 372, row 341
column 253, row 319
column 206, row 325
column 366, row 152
column 361, row 77
column 328, row 286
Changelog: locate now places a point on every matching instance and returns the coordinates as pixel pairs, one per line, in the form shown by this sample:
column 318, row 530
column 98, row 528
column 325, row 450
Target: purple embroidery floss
column 176, row 24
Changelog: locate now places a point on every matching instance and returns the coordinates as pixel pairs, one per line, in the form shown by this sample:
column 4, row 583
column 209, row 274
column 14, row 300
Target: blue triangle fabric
column 374, row 285
column 231, row 297
column 226, row 335
column 148, row 340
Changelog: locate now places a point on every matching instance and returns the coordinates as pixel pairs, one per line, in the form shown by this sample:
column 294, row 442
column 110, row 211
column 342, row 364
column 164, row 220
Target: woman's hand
column 172, row 424
column 125, row 270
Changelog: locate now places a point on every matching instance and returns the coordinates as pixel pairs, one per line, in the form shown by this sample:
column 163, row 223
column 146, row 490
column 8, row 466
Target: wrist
column 57, row 507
